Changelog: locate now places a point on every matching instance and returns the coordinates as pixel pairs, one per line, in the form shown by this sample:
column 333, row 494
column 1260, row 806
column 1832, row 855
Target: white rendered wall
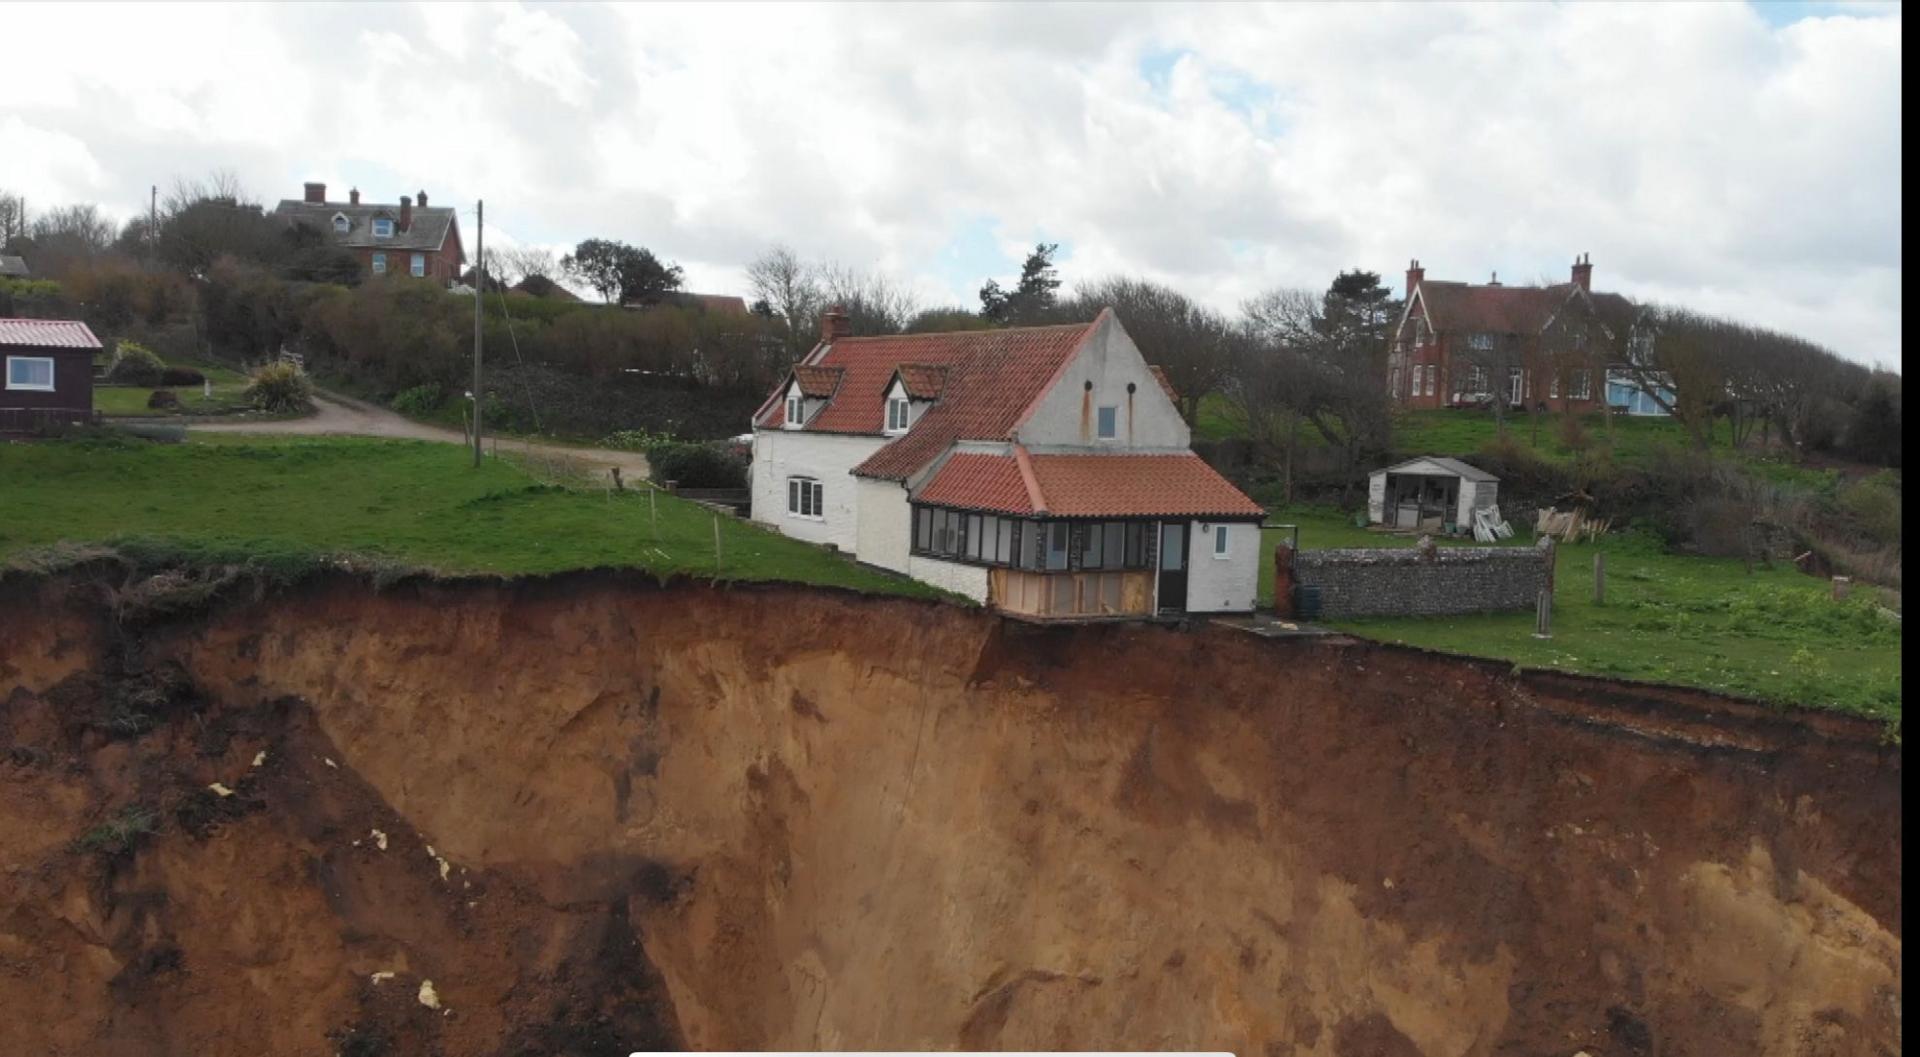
column 886, row 523
column 1068, row 415
column 825, row 457
column 1223, row 585
column 968, row 580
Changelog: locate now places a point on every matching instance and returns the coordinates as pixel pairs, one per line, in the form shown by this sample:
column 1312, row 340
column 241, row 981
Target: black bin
column 1306, row 601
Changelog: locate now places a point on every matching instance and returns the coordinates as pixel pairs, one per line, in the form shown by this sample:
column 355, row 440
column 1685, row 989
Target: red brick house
column 1469, row 345
column 410, row 238
column 46, row 374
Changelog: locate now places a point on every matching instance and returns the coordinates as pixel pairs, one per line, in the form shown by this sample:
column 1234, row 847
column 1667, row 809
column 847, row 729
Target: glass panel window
column 1136, row 545
column 922, row 528
column 1580, row 386
column 796, row 410
column 383, row 228
column 379, row 264
column 1057, row 534
column 898, row 414
column 1109, row 422
column 1008, row 538
column 1093, row 548
column 30, row 372
column 973, row 536
column 806, row 497
column 1173, row 544
column 1113, row 550
column 341, row 224
column 1220, row 541
column 418, row 266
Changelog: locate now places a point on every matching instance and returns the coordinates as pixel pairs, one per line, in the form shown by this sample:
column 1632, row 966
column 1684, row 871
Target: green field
column 129, row 401
column 289, row 501
column 1775, row 634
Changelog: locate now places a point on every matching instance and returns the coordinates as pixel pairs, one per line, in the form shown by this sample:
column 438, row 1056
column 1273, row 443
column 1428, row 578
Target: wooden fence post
column 653, row 512
column 716, row 544
column 1599, row 579
column 1543, row 616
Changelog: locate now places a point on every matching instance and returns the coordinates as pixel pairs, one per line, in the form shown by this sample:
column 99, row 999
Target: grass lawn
column 1775, row 634
column 287, row 501
column 229, row 389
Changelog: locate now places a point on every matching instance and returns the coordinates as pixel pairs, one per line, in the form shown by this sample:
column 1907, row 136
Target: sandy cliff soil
column 600, row 815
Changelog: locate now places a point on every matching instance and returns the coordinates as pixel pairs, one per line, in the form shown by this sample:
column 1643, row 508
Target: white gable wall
column 886, row 523
column 825, row 457
column 1068, row 416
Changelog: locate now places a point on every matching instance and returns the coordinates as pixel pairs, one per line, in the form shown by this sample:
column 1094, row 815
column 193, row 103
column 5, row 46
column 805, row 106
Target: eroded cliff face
column 779, row 818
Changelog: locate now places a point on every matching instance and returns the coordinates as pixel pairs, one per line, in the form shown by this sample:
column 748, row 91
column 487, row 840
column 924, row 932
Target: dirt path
column 343, row 416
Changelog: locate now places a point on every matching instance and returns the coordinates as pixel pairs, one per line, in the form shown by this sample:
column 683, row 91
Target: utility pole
column 153, row 225
column 479, row 294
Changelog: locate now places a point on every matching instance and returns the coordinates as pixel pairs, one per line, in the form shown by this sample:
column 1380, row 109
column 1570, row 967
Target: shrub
column 696, row 466
column 182, row 376
column 163, row 398
column 279, row 386
column 419, row 400
column 121, row 833
column 1874, row 505
column 135, row 364
column 636, row 440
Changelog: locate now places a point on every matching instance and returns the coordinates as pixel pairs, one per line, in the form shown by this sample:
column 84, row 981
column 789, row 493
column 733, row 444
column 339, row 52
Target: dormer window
column 383, row 228
column 796, row 410
column 899, row 414
column 341, row 223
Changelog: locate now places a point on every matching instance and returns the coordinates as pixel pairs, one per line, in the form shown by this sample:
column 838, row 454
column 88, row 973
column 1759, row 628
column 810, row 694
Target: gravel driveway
column 343, row 416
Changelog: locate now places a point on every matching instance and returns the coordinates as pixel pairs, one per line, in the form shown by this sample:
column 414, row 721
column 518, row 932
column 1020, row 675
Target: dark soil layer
column 780, row 818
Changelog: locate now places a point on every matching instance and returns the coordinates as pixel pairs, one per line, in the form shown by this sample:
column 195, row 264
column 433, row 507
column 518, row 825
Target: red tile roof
column 990, row 378
column 923, row 381
column 47, row 333
column 817, row 382
column 1166, row 384
column 979, row 481
column 1178, row 484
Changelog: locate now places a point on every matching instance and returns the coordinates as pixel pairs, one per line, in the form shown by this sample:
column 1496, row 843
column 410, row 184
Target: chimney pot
column 406, row 212
column 1415, row 273
column 353, row 196
column 423, row 199
column 1583, row 272
column 1495, row 281
column 316, row 192
column 834, row 324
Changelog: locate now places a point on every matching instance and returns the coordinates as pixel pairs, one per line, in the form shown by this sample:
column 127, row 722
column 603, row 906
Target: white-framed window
column 32, row 373
column 379, row 264
column 899, row 414
column 1553, row 385
column 1108, row 420
column 1393, row 381
column 806, row 498
column 1580, row 385
column 341, row 224
column 382, row 228
column 796, row 410
column 1433, row 378
column 1220, row 548
column 418, row 266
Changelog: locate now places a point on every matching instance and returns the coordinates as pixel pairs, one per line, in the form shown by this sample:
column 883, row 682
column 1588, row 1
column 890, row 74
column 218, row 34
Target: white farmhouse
column 1042, row 470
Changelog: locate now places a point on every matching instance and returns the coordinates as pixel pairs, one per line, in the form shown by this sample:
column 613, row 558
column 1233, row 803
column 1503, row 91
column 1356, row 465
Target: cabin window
column 1220, row 542
column 30, row 373
column 796, row 410
column 806, row 498
column 1109, row 422
column 379, row 264
column 898, row 413
column 418, row 267
column 383, row 228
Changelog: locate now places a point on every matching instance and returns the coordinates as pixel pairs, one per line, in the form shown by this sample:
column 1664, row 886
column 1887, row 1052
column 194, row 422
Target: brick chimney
column 423, row 199
column 1495, row 280
column 406, row 212
column 353, row 196
column 316, row 192
column 1583, row 272
column 835, row 324
column 1415, row 273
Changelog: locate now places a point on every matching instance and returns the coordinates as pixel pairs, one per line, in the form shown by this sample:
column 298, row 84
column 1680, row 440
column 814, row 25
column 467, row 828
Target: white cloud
column 1698, row 152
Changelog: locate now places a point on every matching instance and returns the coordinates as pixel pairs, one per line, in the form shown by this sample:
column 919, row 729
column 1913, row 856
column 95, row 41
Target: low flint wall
column 1381, row 582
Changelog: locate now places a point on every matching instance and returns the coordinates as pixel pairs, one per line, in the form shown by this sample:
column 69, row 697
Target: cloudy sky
column 1740, row 159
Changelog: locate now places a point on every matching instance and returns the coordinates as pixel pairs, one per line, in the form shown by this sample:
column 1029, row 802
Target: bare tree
column 792, row 291
column 874, row 303
column 516, row 264
column 13, row 218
